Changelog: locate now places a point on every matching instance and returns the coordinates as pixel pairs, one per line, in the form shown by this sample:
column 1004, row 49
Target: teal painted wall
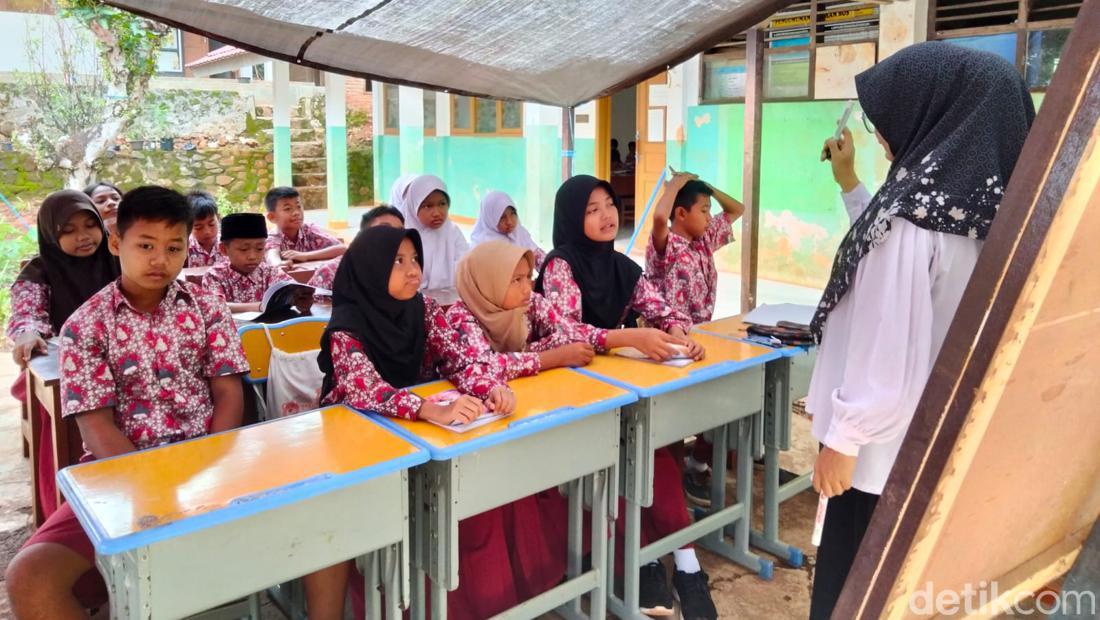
column 528, row 168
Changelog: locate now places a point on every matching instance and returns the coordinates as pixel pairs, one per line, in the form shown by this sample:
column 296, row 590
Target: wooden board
column 996, row 480
column 837, row 66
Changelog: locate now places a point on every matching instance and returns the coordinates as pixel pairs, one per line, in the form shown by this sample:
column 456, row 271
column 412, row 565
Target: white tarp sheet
column 559, row 52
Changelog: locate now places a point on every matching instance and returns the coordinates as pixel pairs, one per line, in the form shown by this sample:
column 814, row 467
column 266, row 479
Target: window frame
column 386, row 129
column 473, row 102
column 1022, row 26
column 177, row 47
column 816, row 9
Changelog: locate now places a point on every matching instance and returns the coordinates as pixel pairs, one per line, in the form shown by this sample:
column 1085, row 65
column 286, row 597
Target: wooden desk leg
column 35, row 440
column 60, row 431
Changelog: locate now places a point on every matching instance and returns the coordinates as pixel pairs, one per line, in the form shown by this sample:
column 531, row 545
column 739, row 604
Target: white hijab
column 398, row 190
column 493, row 205
column 443, row 246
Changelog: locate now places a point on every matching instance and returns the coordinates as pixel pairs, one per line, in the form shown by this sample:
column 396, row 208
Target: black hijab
column 391, row 331
column 955, row 120
column 606, row 277
column 72, row 280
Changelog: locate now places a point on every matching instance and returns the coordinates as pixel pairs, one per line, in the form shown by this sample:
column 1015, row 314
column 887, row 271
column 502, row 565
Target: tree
column 80, row 111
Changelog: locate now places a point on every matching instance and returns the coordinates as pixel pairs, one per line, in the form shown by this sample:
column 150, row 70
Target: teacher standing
column 952, row 121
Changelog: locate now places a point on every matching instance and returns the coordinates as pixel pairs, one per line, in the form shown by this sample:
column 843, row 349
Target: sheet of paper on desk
column 245, row 316
column 771, row 314
column 450, row 396
column 679, row 360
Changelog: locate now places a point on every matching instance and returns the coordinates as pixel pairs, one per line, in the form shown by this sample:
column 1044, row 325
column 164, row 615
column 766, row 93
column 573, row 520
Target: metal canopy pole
column 750, row 196
column 568, row 127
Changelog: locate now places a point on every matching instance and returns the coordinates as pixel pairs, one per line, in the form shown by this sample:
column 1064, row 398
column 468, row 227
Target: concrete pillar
column 411, row 124
column 281, row 122
column 381, row 189
column 542, row 168
column 336, row 151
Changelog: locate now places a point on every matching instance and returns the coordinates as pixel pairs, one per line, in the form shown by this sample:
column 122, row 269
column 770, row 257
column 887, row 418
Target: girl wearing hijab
column 953, row 139
column 384, row 337
column 426, row 205
column 499, row 220
column 73, row 263
column 398, row 189
column 588, row 281
column 105, row 197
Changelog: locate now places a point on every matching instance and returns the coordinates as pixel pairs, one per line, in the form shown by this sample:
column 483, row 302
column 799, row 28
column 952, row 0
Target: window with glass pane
column 486, row 116
column 1003, row 45
column 460, row 116
column 1044, row 48
column 391, row 104
column 787, row 75
column 169, row 59
column 429, row 110
column 723, row 78
column 512, row 115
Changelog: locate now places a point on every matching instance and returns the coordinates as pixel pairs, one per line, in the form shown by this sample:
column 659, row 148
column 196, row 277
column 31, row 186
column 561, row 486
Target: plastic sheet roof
column 558, row 52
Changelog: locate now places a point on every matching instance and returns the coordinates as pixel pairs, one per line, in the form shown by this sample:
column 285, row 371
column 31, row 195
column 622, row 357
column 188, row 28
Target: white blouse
column 880, row 342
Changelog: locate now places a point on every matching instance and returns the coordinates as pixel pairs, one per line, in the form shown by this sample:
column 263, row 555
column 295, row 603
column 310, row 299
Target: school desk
column 565, row 430
column 720, row 393
column 784, row 377
column 302, row 272
column 189, row 526
column 44, row 388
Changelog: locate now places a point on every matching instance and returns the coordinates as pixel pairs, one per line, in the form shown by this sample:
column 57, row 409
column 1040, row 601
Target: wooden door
column 652, row 123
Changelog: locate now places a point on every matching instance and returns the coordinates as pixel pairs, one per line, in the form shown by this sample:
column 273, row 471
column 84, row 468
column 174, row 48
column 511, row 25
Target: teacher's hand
column 833, row 472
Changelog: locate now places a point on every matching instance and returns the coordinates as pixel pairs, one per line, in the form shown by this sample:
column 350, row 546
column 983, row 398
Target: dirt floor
column 737, row 593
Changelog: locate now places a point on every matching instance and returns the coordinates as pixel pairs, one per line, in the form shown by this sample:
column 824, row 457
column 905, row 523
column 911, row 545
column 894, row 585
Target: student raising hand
column 464, row 409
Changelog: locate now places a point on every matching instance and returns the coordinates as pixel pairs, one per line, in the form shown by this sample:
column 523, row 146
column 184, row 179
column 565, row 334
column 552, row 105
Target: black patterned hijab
column 955, row 120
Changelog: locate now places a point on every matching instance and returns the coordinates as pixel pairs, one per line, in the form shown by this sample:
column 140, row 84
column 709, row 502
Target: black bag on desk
column 790, row 334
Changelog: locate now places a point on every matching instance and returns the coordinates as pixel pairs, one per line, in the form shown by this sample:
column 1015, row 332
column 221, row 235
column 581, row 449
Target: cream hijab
column 442, row 246
column 482, row 279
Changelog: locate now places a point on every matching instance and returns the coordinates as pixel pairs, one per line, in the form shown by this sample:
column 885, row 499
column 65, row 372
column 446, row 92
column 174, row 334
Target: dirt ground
column 737, row 593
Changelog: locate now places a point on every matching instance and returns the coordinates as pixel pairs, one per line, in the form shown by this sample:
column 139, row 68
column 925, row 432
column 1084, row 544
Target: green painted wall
column 802, row 218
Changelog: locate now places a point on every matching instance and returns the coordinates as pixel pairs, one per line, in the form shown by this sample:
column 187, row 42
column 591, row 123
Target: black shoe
column 654, row 597
column 697, row 487
column 693, row 590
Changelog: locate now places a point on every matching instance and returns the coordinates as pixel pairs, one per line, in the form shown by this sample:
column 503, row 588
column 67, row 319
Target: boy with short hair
column 294, row 240
column 680, row 262
column 382, row 215
column 202, row 249
column 148, row 360
column 244, row 276
column 680, row 258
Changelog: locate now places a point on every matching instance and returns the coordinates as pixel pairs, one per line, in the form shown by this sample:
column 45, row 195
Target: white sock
column 686, row 560
column 695, row 465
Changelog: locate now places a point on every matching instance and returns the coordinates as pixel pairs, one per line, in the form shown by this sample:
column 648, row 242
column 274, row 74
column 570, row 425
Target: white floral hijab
column 955, row 120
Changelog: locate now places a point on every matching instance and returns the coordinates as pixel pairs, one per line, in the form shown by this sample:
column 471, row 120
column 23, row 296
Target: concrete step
column 314, row 196
column 306, row 179
column 304, row 165
column 307, row 149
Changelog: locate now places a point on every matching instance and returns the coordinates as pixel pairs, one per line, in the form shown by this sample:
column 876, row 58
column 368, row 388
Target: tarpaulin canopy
column 559, row 52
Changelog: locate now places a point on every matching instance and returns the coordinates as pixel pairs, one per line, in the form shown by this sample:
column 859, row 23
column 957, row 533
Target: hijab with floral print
column 955, row 120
